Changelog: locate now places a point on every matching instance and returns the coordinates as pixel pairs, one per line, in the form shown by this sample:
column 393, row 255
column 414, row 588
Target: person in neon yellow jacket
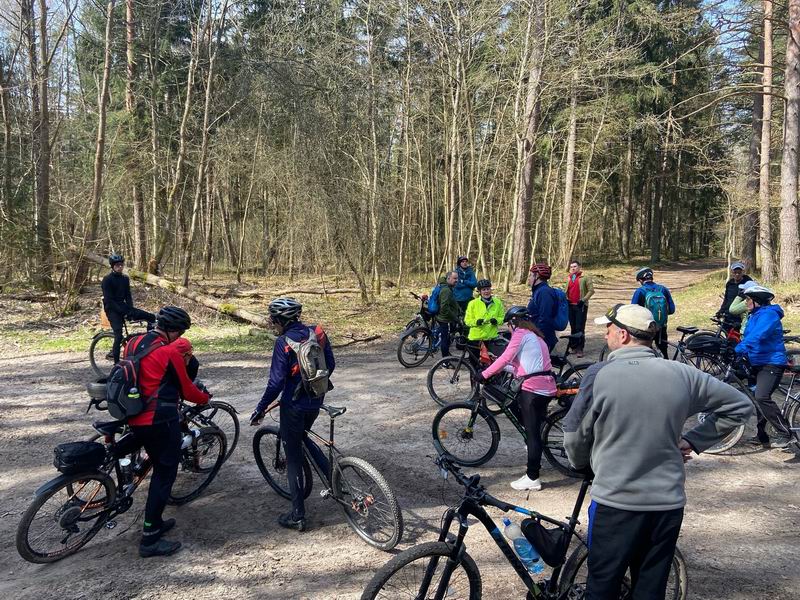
column 484, row 313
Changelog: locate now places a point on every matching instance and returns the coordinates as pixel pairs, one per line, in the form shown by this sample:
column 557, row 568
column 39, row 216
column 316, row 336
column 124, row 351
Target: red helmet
column 543, row 270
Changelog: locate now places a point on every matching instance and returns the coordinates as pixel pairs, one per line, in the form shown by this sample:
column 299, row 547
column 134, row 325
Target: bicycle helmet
column 644, row 274
column 173, row 318
column 759, row 294
column 115, row 259
column 483, row 283
column 543, row 270
column 516, row 312
column 285, row 310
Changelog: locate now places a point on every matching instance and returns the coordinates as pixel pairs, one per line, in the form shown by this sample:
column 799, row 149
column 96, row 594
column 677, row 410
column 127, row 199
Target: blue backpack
column 561, row 314
column 655, row 300
column 433, row 299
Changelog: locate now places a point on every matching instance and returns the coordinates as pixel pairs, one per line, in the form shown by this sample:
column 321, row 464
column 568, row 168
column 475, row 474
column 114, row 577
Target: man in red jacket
column 163, row 381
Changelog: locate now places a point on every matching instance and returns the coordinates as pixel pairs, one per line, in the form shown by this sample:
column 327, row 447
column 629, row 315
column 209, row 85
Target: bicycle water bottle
column 524, row 549
column 125, row 469
column 187, row 438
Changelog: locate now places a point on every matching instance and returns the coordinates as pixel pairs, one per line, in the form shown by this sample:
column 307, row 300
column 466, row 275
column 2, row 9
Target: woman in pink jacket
column 527, row 353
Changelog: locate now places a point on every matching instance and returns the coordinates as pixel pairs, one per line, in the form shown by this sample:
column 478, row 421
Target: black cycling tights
column 767, row 379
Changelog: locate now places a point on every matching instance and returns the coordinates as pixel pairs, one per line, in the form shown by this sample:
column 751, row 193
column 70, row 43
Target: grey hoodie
column 627, row 419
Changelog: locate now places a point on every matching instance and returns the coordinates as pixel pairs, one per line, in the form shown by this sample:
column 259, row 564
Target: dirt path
column 739, row 536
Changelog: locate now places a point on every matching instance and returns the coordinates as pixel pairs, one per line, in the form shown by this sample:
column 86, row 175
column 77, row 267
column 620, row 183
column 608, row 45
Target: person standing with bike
column 657, row 299
column 484, row 314
column 299, row 409
column 579, row 290
column 163, row 380
column 626, row 426
column 762, row 349
column 543, row 304
column 118, row 302
column 466, row 282
column 449, row 313
column 529, row 356
column 732, row 291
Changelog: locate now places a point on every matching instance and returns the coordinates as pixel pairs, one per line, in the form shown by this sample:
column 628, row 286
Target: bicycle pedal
column 326, row 493
column 111, row 524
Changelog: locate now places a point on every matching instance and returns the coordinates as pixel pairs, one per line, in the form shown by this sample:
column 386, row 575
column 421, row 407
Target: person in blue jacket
column 467, row 281
column 298, row 409
column 763, row 347
column 656, row 298
column 543, row 304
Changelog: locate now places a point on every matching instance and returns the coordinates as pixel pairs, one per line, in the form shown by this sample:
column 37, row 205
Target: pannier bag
column 77, row 457
column 551, row 543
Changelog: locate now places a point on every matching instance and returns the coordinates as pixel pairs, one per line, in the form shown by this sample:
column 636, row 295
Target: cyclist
column 484, row 314
column 543, row 304
column 732, row 290
column 298, row 409
column 163, row 380
column 529, row 356
column 118, row 302
column 763, row 348
column 579, row 290
column 626, row 425
column 449, row 311
column 462, row 291
column 658, row 300
column 738, row 307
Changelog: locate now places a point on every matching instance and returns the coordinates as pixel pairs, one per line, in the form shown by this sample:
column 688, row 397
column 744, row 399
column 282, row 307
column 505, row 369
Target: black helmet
column 115, row 259
column 644, row 274
column 173, row 318
column 516, row 312
column 759, row 294
column 483, row 283
column 285, row 310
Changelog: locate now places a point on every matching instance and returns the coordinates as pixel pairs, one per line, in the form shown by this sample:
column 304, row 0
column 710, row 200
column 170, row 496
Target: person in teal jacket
column 467, row 281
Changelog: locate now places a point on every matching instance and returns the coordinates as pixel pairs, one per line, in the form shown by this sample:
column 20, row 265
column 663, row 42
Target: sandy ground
column 740, row 535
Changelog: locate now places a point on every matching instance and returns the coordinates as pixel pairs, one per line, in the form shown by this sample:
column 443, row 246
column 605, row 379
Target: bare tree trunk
column 627, row 201
column 661, row 184
column 139, row 225
column 6, row 203
column 765, row 229
column 790, row 247
column 226, row 224
column 209, row 226
column 249, row 196
column 569, row 178
column 749, row 212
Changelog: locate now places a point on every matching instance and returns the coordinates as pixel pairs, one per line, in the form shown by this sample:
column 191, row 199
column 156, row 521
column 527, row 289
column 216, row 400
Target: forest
column 379, row 138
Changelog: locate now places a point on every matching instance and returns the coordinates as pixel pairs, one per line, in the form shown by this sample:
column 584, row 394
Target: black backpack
column 122, row 386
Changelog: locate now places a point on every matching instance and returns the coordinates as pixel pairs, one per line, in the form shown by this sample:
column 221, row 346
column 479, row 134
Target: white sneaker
column 526, row 483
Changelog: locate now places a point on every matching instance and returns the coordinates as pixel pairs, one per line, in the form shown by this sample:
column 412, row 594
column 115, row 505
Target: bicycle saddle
column 334, row 411
column 687, row 330
column 108, row 427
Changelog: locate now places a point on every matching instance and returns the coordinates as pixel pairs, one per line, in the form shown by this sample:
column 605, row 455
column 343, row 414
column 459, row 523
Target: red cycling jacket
column 162, row 379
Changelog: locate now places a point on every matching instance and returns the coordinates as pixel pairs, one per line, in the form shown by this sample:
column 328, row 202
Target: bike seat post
column 331, row 430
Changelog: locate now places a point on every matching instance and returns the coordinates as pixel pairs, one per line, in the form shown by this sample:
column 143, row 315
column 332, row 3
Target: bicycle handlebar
column 415, row 295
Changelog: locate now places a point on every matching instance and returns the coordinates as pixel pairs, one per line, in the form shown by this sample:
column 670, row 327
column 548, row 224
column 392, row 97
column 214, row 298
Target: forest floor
column 740, row 533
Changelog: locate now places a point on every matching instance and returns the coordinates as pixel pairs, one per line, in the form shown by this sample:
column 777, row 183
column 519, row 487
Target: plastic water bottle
column 524, row 549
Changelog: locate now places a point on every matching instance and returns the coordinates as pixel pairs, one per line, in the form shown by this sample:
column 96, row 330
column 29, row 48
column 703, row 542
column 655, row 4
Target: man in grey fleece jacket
column 626, row 425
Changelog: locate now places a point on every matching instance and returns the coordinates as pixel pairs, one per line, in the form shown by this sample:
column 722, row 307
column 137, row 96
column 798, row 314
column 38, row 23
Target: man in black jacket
column 732, row 290
column 118, row 302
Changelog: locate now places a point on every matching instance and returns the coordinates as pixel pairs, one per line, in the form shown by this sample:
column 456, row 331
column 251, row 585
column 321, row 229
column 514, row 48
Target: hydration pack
column 433, row 299
column 314, row 372
column 655, row 300
column 122, row 386
column 561, row 313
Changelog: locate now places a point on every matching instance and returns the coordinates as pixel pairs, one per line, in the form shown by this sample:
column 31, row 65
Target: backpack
column 122, row 394
column 655, row 300
column 433, row 299
column 561, row 314
column 314, row 373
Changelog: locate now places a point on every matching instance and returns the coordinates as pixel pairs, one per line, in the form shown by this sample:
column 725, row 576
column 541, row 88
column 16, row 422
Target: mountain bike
column 100, row 356
column 419, row 338
column 369, row 504
column 68, row 511
column 444, row 569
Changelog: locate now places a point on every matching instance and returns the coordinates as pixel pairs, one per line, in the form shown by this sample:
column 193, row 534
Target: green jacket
column 476, row 309
column 586, row 287
column 738, row 308
column 449, row 311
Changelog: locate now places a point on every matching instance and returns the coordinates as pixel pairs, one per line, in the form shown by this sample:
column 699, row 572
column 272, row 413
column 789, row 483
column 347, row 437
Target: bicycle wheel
column 224, row 416
column 705, row 362
column 418, row 573
column 452, row 379
column 61, row 521
column 200, row 463
column 725, row 444
column 369, row 503
column 573, row 375
column 415, row 347
column 553, row 443
column 99, row 352
column 792, row 413
column 576, row 573
column 271, row 461
column 466, row 432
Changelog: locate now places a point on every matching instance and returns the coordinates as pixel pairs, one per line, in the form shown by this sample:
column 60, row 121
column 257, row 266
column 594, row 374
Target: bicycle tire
column 274, row 468
column 231, row 431
column 792, row 414
column 454, row 379
column 201, row 445
column 363, row 502
column 553, row 443
column 463, row 436
column 68, row 517
column 677, row 584
column 420, row 349
column 428, row 550
column 99, row 363
column 575, row 372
